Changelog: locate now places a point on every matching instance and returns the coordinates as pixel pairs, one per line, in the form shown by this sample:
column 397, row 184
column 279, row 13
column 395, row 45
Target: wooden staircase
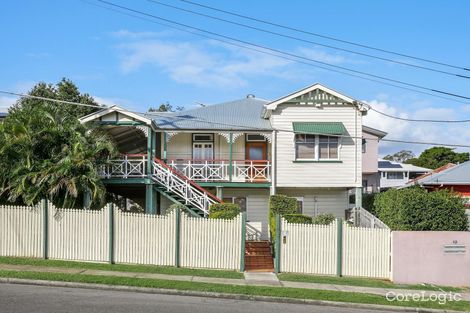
column 258, row 257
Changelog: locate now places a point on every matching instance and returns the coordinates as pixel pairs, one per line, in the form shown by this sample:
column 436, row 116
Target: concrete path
column 251, row 278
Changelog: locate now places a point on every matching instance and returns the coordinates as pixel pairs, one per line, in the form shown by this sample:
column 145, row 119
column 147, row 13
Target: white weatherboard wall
column 80, row 235
column 348, row 173
column 144, row 238
column 211, row 243
column 308, row 248
column 366, row 252
column 21, row 231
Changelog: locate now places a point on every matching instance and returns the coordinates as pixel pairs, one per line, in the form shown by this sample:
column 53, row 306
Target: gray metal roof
column 243, row 114
column 457, row 175
column 3, row 114
column 373, row 131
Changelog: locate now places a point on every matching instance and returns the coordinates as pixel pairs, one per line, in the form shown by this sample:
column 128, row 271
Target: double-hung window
column 305, row 146
column 328, row 146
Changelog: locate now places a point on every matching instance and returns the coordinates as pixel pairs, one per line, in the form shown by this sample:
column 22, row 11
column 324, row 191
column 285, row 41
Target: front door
column 256, row 152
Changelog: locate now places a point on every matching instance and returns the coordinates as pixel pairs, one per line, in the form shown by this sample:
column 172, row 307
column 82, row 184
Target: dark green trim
column 126, row 181
column 339, row 247
column 45, row 226
column 177, row 237
column 111, row 233
column 237, row 185
column 230, row 150
column 317, row 161
column 129, row 123
column 319, row 128
column 149, row 152
column 277, row 245
column 243, row 241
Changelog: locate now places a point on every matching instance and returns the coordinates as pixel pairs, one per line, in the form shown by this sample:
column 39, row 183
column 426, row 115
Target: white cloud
column 444, row 133
column 6, row 102
column 208, row 63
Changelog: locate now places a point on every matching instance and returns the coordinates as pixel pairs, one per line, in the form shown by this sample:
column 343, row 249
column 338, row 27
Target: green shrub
column 323, row 219
column 224, row 210
column 175, row 206
column 280, row 204
column 298, row 218
column 416, row 209
column 368, row 202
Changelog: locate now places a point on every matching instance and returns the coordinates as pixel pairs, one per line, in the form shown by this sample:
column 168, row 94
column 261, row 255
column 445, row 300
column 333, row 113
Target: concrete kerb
column 385, row 308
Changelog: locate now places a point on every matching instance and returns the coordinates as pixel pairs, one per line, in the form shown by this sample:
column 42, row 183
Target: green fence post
column 111, row 233
column 243, row 240
column 45, row 229
column 177, row 237
column 277, row 245
column 339, row 247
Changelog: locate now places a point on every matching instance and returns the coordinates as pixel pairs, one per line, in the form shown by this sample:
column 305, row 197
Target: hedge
column 226, row 211
column 280, row 204
column 416, row 209
column 298, row 218
column 323, row 219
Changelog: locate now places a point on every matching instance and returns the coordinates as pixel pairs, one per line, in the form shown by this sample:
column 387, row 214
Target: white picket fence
column 211, row 243
column 313, row 249
column 84, row 235
column 308, row 248
column 145, row 238
column 79, row 235
column 21, row 231
column 366, row 251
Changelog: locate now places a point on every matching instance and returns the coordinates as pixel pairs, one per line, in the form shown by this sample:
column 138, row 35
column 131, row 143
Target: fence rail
column 333, row 249
column 110, row 235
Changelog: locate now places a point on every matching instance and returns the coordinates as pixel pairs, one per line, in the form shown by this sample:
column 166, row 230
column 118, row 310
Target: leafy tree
column 165, row 107
column 46, row 153
column 438, row 156
column 416, row 209
column 401, row 156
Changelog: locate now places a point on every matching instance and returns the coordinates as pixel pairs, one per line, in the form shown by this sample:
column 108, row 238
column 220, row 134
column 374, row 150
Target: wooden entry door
column 256, row 151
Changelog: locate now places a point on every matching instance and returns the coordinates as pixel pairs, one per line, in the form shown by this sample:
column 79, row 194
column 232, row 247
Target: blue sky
column 137, row 64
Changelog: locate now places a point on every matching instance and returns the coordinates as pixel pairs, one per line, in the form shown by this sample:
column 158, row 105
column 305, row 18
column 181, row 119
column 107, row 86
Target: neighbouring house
column 306, row 144
column 3, row 115
column 370, row 155
column 394, row 174
column 455, row 177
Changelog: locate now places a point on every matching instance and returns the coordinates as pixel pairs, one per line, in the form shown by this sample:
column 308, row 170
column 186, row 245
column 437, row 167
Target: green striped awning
column 326, row 128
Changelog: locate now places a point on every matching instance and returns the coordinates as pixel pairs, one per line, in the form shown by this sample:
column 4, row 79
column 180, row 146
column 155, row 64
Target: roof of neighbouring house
column 243, row 114
column 451, row 175
column 3, row 115
column 373, row 131
column 390, row 166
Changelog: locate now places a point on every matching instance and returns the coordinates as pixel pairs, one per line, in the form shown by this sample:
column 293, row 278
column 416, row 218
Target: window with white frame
column 305, row 146
column 316, row 147
column 395, row 175
column 328, row 147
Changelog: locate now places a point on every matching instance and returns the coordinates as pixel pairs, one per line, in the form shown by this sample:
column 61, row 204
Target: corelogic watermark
column 441, row 297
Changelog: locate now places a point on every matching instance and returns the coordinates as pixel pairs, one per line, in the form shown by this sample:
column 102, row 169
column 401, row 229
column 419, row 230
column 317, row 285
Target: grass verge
column 355, row 281
column 294, row 293
column 123, row 267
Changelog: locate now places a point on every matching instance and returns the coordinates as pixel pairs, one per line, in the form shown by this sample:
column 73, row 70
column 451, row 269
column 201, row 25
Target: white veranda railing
column 363, row 218
column 125, row 167
column 220, row 170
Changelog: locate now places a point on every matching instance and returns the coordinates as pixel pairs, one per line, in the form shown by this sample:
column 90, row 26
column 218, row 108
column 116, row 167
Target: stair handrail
column 191, row 182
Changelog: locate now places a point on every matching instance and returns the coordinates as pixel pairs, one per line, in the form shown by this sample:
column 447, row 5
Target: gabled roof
column 373, row 131
column 243, row 114
column 114, row 108
column 453, row 175
column 390, row 166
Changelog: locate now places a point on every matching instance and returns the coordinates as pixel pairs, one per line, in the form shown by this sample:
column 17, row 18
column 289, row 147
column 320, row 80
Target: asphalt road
column 38, row 299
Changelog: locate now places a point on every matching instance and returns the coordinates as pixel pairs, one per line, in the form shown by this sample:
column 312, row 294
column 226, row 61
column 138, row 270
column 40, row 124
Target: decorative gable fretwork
column 144, row 130
column 268, row 136
column 170, row 135
column 317, row 97
column 227, row 136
